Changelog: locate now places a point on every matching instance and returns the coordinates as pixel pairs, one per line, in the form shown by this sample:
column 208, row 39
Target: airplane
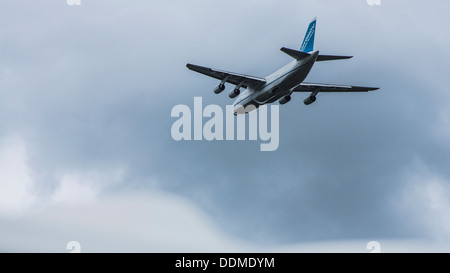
column 280, row 85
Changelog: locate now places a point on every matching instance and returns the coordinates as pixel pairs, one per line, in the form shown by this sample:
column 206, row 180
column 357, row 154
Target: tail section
column 308, row 46
column 308, row 41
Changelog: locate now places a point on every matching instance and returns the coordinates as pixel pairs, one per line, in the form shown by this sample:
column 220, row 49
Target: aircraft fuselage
column 278, row 84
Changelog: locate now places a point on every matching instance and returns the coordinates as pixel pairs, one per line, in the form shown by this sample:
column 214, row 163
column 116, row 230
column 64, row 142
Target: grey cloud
column 91, row 87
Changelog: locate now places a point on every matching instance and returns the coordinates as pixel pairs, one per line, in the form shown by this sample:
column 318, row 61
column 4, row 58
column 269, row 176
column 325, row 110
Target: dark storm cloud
column 92, row 87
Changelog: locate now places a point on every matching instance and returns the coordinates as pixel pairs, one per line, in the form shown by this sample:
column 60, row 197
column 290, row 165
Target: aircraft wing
column 318, row 87
column 229, row 77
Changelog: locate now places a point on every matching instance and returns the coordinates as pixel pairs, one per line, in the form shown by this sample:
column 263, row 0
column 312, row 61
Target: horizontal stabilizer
column 298, row 55
column 322, row 58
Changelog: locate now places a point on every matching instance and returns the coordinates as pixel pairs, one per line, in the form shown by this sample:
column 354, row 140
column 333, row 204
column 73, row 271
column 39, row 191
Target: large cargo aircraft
column 280, row 85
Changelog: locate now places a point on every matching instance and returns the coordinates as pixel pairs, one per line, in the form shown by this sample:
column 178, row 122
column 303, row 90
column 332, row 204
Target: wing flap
column 318, row 87
column 230, row 77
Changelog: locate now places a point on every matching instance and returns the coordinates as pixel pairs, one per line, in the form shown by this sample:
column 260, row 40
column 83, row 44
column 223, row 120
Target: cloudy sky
column 86, row 153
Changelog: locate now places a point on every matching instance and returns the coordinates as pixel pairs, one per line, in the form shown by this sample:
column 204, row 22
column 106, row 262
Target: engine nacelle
column 285, row 100
column 309, row 100
column 218, row 89
column 233, row 94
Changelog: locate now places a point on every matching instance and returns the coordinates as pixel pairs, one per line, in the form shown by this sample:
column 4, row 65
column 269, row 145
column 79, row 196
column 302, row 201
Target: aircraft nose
column 241, row 109
column 237, row 109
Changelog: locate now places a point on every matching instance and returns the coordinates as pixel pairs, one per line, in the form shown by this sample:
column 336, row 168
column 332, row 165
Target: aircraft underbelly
column 296, row 78
column 282, row 87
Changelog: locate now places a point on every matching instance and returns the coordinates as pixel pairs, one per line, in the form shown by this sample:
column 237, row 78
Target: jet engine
column 218, row 89
column 309, row 100
column 285, row 99
column 233, row 94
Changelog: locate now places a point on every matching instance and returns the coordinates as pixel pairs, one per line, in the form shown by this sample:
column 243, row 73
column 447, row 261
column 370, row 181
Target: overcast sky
column 86, row 152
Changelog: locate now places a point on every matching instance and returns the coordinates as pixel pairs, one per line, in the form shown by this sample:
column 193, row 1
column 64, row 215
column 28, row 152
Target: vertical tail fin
column 308, row 41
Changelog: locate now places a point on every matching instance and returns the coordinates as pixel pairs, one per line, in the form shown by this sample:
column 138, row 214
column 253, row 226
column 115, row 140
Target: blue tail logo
column 308, row 42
